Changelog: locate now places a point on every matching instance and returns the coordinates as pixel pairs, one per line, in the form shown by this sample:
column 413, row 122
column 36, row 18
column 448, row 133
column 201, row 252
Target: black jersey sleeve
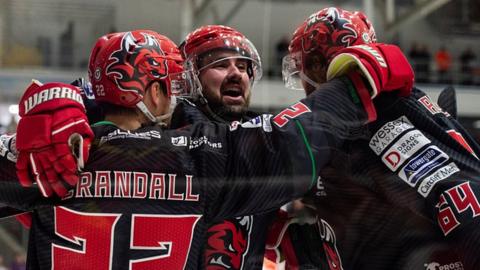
column 273, row 159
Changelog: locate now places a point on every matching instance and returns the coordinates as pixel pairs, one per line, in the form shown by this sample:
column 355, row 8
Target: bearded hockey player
column 405, row 194
column 225, row 67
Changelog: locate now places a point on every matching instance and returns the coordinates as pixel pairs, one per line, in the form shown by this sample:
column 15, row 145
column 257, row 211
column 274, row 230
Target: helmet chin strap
column 161, row 119
column 197, row 93
column 304, row 77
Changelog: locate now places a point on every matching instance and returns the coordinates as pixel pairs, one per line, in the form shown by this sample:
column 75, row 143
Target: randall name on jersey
column 134, row 185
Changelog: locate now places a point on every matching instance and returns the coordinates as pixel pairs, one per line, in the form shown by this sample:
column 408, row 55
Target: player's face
column 225, row 82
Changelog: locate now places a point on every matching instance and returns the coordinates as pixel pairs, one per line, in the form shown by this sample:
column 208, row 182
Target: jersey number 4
column 94, row 235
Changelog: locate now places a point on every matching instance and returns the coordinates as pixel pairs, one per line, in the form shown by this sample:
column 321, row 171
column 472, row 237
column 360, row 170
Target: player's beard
column 229, row 112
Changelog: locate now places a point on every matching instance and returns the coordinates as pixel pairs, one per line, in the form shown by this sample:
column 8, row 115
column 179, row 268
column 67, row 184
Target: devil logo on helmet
column 333, row 31
column 146, row 57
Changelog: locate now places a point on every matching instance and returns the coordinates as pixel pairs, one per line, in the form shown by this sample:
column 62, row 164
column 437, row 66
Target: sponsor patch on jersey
column 429, row 182
column 388, row 133
column 234, row 125
column 253, row 123
column 422, row 164
column 431, row 106
column 267, row 125
column 88, row 91
column 448, row 266
column 197, row 142
column 320, row 190
column 262, row 121
column 121, row 134
column 180, row 141
column 404, row 148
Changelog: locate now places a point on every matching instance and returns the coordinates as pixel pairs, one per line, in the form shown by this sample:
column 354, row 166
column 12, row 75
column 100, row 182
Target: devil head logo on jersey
column 227, row 243
column 135, row 64
column 329, row 243
column 327, row 31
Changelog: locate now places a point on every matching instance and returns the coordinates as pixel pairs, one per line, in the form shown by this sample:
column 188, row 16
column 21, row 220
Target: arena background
column 51, row 39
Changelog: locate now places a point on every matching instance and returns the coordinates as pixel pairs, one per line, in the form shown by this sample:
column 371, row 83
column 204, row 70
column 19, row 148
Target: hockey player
column 225, row 67
column 405, row 196
column 141, row 178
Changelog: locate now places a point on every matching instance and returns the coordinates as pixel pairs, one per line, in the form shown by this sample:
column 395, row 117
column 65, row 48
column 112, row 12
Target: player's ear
column 156, row 93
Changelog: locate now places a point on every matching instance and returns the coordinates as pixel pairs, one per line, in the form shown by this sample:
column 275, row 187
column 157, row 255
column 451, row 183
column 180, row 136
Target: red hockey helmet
column 205, row 40
column 324, row 33
column 122, row 66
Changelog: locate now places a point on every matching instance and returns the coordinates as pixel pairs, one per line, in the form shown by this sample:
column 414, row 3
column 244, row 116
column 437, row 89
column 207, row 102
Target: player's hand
column 53, row 137
column 8, row 146
column 382, row 66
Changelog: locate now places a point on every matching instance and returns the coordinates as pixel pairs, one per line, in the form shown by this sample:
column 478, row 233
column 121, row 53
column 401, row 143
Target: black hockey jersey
column 404, row 197
column 233, row 243
column 145, row 197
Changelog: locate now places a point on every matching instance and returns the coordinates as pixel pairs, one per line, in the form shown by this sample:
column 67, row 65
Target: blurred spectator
column 44, row 45
column 66, row 46
column 12, row 126
column 420, row 57
column 444, row 63
column 19, row 263
column 2, row 264
column 414, row 55
column 467, row 57
column 425, row 59
column 281, row 49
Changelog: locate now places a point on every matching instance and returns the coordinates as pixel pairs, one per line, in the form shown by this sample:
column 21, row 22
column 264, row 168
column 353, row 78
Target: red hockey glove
column 53, row 137
column 384, row 67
